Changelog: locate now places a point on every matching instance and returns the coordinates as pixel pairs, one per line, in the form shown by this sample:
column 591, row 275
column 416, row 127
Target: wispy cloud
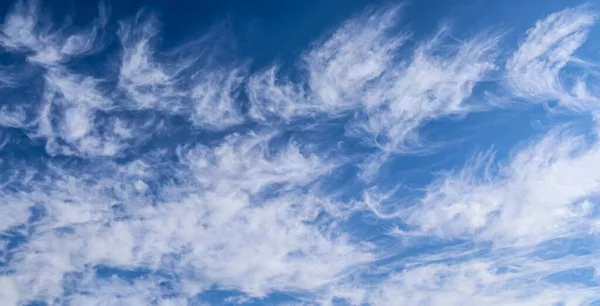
column 178, row 173
column 359, row 68
column 25, row 30
column 479, row 282
column 215, row 98
column 536, row 71
column 225, row 229
column 546, row 190
column 148, row 82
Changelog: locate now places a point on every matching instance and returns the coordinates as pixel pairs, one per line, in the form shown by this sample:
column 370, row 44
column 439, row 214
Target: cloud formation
column 536, row 71
column 163, row 174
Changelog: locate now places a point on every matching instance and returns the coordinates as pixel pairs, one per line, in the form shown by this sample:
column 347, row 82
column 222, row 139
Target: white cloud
column 429, row 87
column 536, row 70
column 75, row 100
column 8, row 291
column 14, row 212
column 359, row 69
column 244, row 161
column 337, row 71
column 181, row 80
column 251, row 210
column 235, row 227
column 501, row 276
column 477, row 283
column 147, row 81
column 341, row 70
column 19, row 26
column 14, row 117
column 25, row 30
column 273, row 97
column 546, row 190
column 214, row 97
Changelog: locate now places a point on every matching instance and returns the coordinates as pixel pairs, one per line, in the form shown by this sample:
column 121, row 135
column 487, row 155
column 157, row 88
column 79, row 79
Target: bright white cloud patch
column 547, row 190
column 141, row 173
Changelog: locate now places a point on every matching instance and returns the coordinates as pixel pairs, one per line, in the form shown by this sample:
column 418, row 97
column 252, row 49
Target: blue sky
column 299, row 153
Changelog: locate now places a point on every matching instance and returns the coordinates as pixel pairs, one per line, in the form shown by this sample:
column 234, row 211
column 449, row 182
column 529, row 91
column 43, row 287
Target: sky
column 433, row 152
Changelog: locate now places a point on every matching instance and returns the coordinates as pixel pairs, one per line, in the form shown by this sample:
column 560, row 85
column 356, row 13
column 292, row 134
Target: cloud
column 182, row 80
column 117, row 291
column 75, row 100
column 358, row 70
column 184, row 171
column 274, row 97
column 356, row 55
column 546, row 190
column 25, row 30
column 149, row 83
column 536, row 71
column 234, row 227
column 337, row 70
column 215, row 99
column 478, row 282
column 15, row 117
column 429, row 87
